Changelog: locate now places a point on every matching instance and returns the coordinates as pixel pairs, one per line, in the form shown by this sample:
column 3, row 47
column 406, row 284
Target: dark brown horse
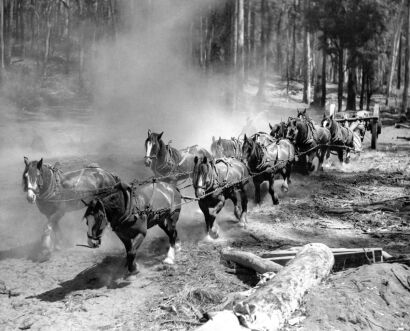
column 131, row 213
column 310, row 141
column 56, row 193
column 214, row 182
column 278, row 131
column 340, row 136
column 266, row 161
column 226, row 147
column 165, row 160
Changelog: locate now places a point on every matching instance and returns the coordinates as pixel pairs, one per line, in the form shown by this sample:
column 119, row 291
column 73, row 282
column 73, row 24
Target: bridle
column 98, row 221
column 209, row 178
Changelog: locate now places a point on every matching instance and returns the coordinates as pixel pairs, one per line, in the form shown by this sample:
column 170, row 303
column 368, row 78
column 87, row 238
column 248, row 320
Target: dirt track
column 81, row 289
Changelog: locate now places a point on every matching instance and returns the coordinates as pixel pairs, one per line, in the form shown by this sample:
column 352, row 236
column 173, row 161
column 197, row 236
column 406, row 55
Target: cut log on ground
column 222, row 321
column 250, row 261
column 271, row 305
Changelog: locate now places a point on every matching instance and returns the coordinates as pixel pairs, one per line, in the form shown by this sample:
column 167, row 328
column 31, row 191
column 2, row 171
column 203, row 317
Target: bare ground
column 84, row 289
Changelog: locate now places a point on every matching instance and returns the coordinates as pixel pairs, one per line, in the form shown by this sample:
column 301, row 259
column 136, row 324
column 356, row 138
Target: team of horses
column 224, row 174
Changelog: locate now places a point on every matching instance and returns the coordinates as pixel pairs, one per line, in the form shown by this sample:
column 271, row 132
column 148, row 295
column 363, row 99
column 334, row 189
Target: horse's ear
column 270, row 126
column 213, row 139
column 26, row 161
column 299, row 112
column 304, row 111
column 196, row 160
column 254, row 138
column 331, row 116
column 160, row 135
column 40, row 164
column 324, row 115
column 149, row 132
column 205, row 160
column 245, row 138
column 220, row 139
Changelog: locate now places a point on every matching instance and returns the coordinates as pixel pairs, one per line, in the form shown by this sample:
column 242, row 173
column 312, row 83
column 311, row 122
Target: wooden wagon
column 369, row 119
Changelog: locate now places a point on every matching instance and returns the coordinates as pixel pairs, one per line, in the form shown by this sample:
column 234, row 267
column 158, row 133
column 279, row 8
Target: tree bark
column 340, row 79
column 1, row 39
column 351, row 88
column 406, row 61
column 240, row 48
column 324, row 55
column 395, row 50
column 271, row 305
column 263, row 51
column 306, row 62
column 362, row 89
column 250, row 261
column 399, row 62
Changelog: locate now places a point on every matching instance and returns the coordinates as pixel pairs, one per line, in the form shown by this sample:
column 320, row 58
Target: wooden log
column 271, row 305
column 250, row 261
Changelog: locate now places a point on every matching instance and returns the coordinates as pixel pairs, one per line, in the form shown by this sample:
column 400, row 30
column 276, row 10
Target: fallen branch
column 400, row 125
column 250, row 261
column 404, row 138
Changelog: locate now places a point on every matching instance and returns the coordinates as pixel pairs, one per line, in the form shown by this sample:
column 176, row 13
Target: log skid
column 250, row 261
column 271, row 305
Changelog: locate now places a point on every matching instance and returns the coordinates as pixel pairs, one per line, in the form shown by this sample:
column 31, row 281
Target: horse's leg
column 272, row 193
column 169, row 227
column 309, row 164
column 213, row 230
column 50, row 231
column 244, row 203
column 131, row 253
column 235, row 196
column 257, row 184
column 340, row 155
column 321, row 155
column 209, row 220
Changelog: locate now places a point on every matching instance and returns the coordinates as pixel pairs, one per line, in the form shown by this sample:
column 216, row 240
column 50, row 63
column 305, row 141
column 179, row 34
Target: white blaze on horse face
column 31, row 189
column 91, row 222
column 149, row 148
column 325, row 123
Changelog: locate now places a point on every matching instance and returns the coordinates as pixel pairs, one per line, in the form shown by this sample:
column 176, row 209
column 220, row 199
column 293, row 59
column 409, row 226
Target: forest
column 362, row 46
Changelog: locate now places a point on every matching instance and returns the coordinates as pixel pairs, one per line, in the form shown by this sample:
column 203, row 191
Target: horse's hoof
column 178, row 247
column 132, row 276
column 284, row 189
column 276, row 202
column 214, row 234
column 168, row 260
column 242, row 224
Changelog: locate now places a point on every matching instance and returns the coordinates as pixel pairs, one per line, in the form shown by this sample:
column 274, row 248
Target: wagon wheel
column 374, row 126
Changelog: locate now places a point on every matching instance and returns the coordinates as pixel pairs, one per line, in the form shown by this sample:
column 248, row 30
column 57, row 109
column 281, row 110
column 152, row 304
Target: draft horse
column 226, row 147
column 131, row 212
column 340, row 136
column 266, row 161
column 214, row 183
column 165, row 160
column 56, row 193
column 310, row 141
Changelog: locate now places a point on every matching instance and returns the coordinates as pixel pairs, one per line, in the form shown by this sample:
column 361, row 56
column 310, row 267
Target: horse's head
column 152, row 146
column 301, row 114
column 248, row 146
column 96, row 219
column 292, row 129
column 202, row 176
column 217, row 148
column 278, row 130
column 32, row 178
column 327, row 122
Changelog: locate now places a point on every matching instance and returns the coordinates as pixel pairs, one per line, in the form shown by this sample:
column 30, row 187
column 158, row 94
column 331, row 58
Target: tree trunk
column 10, row 39
column 252, row 37
column 351, row 89
column 340, row 79
column 395, row 50
column 293, row 62
column 263, row 51
column 240, row 48
column 324, row 54
column 272, row 305
column 306, row 62
column 250, row 261
column 406, row 61
column 247, row 30
column 362, row 89
column 1, row 40
column 399, row 62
